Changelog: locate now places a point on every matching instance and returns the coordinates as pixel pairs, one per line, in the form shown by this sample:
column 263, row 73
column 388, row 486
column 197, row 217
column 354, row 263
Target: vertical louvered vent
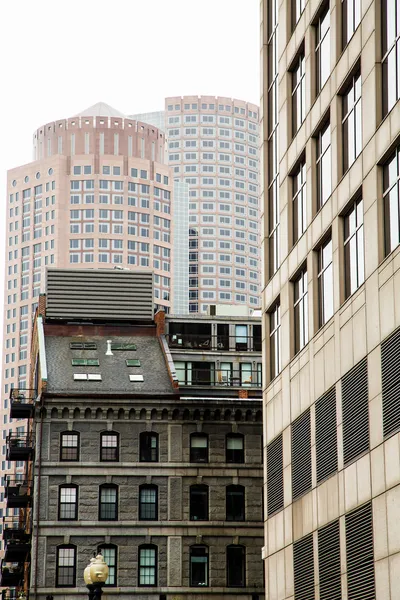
column 301, row 455
column 326, row 435
column 329, row 562
column 275, row 475
column 303, row 559
column 355, row 411
column 390, row 357
column 360, row 554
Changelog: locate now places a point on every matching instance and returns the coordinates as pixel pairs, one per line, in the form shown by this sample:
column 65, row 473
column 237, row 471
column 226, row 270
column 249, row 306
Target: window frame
column 229, row 516
column 143, row 436
column 114, row 547
column 388, row 188
column 243, row 559
column 322, row 270
column 62, row 447
column 105, row 486
column 154, row 567
column 200, row 435
column 345, row 11
column 321, row 36
column 299, row 200
column 203, row 490
column 388, row 49
column 142, row 488
column 323, row 194
column 231, row 460
column 298, row 93
column 275, row 340
column 57, row 578
column 206, row 549
column 103, row 435
column 347, row 240
column 351, row 116
column 300, row 305
column 66, row 486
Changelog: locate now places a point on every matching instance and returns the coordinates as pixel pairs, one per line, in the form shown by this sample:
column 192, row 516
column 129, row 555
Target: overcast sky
column 58, row 58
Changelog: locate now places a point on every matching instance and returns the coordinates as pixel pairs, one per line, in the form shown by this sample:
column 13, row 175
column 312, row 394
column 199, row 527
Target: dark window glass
column 355, row 412
column 109, row 553
column 235, row 566
column 330, row 586
column 198, row 566
column 351, row 122
column 303, row 566
column 360, row 554
column 148, row 503
column 198, row 447
column 199, row 503
column 325, row 282
column 301, row 455
column 109, row 446
column 323, row 165
column 391, row 201
column 234, row 448
column 390, row 53
column 273, row 219
column 275, row 340
column 298, row 94
column 68, row 502
column 322, row 49
column 300, row 312
column 275, row 475
column 148, row 447
column 326, row 435
column 108, row 509
column 354, row 248
column 299, row 202
column 147, row 565
column 297, row 10
column 351, row 17
column 69, row 446
column 235, row 503
column 66, row 566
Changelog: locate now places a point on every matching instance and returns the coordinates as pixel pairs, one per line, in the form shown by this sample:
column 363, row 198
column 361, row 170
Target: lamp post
column 95, row 575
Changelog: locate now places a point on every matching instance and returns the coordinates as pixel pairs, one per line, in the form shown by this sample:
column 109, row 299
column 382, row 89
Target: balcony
column 13, row 594
column 191, row 375
column 18, row 493
column 216, row 343
column 22, row 403
column 14, row 528
column 16, row 549
column 19, row 447
column 11, row 574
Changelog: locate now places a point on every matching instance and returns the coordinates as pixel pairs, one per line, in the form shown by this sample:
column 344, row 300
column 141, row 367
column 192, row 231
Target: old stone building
column 165, row 480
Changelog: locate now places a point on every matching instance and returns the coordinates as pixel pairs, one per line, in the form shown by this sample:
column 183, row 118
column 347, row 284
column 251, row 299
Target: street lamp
column 95, row 575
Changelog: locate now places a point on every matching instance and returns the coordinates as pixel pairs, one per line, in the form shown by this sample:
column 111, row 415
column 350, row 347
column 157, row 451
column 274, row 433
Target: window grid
column 69, row 446
column 148, row 503
column 275, row 340
column 390, row 54
column 147, row 565
column 108, row 503
column 110, row 557
column 325, row 282
column 322, row 49
column 323, row 165
column 301, row 311
column 298, row 94
column 391, row 201
column 68, row 507
column 354, row 248
column 351, row 17
column 109, row 447
column 351, row 122
column 299, row 202
column 66, row 566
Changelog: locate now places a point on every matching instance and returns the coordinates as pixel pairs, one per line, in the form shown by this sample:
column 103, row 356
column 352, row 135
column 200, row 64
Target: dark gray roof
column 113, row 369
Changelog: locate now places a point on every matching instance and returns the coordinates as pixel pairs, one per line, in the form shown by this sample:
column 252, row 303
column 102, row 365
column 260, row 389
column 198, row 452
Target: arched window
column 198, row 566
column 148, row 447
column 199, row 502
column 235, row 566
column 66, row 566
column 110, row 555
column 235, row 503
column 108, row 502
column 147, row 565
column 69, row 445
column 148, row 503
column 199, row 447
column 68, row 502
column 235, row 448
column 109, row 446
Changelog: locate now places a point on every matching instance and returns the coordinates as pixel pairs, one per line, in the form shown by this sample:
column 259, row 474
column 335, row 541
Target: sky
column 58, row 58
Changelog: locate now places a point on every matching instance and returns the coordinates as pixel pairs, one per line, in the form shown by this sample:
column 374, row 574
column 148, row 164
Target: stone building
column 165, row 481
column 331, row 123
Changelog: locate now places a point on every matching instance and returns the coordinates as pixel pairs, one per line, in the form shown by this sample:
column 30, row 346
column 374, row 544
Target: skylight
column 136, row 378
column 132, row 362
column 116, row 346
column 85, row 362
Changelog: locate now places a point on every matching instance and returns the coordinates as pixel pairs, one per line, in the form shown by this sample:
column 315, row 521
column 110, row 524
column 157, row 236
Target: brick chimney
column 159, row 319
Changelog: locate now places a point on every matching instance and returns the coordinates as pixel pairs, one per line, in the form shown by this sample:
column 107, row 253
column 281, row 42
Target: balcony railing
column 16, row 549
column 18, row 493
column 14, row 528
column 22, row 403
column 19, row 447
column 11, row 574
column 219, row 377
column 217, row 343
column 13, row 595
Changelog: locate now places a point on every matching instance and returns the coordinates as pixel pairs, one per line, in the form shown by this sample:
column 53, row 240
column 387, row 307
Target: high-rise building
column 213, row 146
column 159, row 471
column 331, row 130
column 96, row 195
